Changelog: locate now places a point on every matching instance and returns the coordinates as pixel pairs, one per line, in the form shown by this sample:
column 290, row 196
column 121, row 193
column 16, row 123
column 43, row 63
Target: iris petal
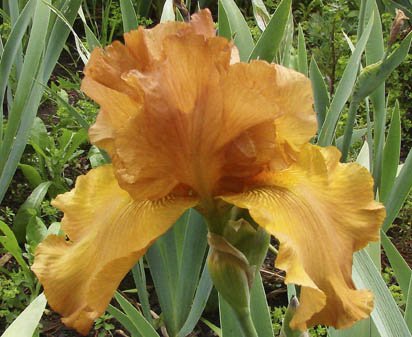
column 321, row 211
column 108, row 232
column 107, row 69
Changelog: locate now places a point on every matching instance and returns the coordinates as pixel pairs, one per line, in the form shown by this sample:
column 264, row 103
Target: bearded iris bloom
column 186, row 125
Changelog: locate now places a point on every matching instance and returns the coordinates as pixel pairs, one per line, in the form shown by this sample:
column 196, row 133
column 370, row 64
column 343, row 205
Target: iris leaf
column 199, row 303
column 129, row 17
column 320, row 92
column 269, row 42
column 239, row 29
column 175, row 262
column 344, row 89
column 386, row 315
column 26, row 323
column 37, row 68
column 400, row 267
column 261, row 14
column 391, row 154
column 168, row 13
column 399, row 192
column 144, row 328
column 302, row 53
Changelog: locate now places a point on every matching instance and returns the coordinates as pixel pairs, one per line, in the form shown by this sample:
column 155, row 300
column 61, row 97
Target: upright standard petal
column 104, row 81
column 297, row 124
column 196, row 104
column 178, row 114
column 321, row 211
column 107, row 233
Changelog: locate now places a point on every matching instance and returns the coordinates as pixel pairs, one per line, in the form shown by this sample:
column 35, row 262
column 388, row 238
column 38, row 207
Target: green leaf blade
column 386, row 314
column 128, row 15
column 344, row 89
column 391, row 154
column 239, row 29
column 269, row 42
column 26, row 323
column 320, row 92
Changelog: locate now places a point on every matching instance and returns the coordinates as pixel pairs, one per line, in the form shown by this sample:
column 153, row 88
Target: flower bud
column 290, row 312
column 230, row 272
column 372, row 76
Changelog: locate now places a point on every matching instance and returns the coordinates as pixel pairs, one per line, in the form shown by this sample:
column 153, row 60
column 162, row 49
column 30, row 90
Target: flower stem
column 246, row 325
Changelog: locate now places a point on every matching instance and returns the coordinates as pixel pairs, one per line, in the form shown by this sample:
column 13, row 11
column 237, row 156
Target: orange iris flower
column 185, row 124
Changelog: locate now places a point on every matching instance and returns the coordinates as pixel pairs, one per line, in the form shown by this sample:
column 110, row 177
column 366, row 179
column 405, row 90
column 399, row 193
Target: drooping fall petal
column 108, row 232
column 321, row 211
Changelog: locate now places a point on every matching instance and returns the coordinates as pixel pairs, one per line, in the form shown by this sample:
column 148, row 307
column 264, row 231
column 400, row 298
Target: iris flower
column 187, row 125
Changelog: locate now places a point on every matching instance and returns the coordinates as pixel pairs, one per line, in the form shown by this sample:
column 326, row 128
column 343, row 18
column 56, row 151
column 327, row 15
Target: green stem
column 246, row 324
column 215, row 217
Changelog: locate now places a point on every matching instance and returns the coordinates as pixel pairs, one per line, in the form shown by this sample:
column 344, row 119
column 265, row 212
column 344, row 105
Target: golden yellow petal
column 107, row 66
column 146, row 44
column 108, row 232
column 116, row 108
column 250, row 96
column 105, row 72
column 285, row 96
column 321, row 211
column 202, row 23
column 176, row 112
column 196, row 104
column 182, row 97
column 297, row 125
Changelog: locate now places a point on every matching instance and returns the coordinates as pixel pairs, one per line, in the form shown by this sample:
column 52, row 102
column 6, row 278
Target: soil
column 403, row 241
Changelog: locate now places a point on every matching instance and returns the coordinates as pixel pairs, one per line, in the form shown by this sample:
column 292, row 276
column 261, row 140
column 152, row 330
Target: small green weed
column 103, row 327
column 277, row 315
column 7, row 214
column 13, row 297
column 390, row 280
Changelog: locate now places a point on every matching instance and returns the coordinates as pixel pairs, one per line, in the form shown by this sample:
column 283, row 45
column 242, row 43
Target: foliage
column 277, row 314
column 13, row 297
column 53, row 156
column 7, row 214
column 104, row 326
column 396, row 291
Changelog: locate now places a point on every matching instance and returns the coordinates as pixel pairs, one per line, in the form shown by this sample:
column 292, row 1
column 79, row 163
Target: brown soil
column 401, row 236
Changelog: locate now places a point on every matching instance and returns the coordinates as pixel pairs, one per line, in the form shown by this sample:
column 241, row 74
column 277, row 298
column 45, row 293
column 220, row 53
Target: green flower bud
column 230, row 272
column 290, row 312
column 372, row 76
column 252, row 241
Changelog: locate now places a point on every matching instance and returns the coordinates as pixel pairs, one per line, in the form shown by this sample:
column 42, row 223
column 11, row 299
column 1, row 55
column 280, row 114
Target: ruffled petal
column 107, row 69
column 181, row 97
column 146, row 44
column 297, row 124
column 107, row 233
column 321, row 211
column 176, row 112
